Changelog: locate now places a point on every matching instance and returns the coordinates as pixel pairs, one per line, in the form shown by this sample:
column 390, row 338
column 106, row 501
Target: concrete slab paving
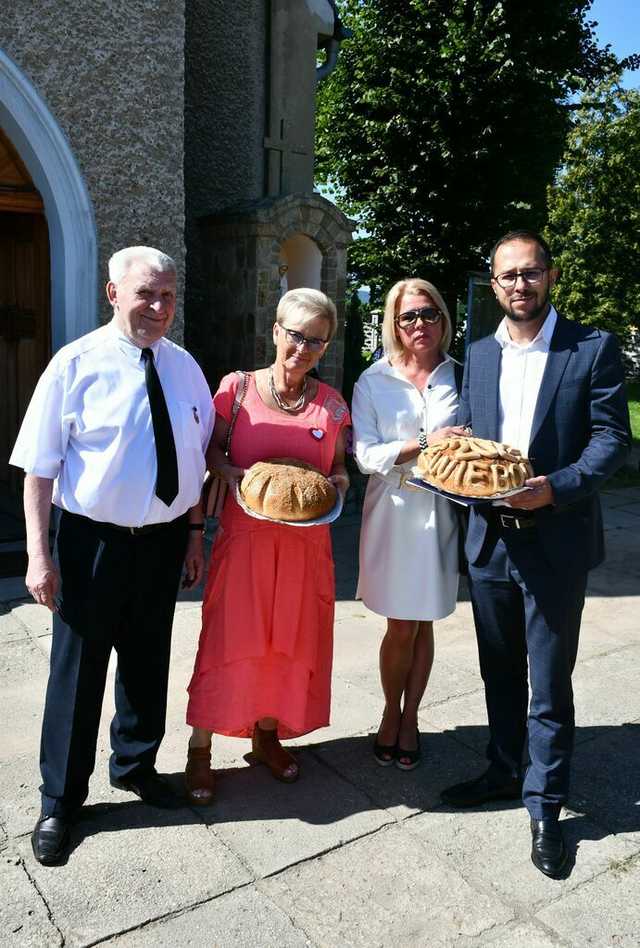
column 272, row 825
column 353, row 854
column 34, row 619
column 129, row 864
column 11, row 630
column 604, row 911
column 24, row 918
column 19, row 799
column 23, row 680
column 401, row 793
column 602, row 707
column 606, row 779
column 501, row 834
column 388, row 889
column 245, row 918
column 527, row 934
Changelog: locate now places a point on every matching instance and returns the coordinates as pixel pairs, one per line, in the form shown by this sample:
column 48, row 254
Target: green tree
column 594, row 213
column 444, row 122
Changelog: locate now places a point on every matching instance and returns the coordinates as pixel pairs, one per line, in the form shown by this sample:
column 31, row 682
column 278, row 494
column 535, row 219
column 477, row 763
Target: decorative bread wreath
column 474, row 467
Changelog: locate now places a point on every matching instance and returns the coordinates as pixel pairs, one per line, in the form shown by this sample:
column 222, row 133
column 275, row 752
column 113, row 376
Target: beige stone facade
column 111, row 75
column 186, row 125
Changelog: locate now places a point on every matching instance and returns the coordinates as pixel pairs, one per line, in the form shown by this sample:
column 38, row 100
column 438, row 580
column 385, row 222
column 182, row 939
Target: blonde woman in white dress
column 408, row 541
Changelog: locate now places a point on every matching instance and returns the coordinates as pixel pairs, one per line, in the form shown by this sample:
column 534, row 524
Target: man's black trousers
column 118, row 592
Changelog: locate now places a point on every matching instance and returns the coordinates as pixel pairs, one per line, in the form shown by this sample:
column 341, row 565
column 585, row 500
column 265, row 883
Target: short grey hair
column 120, row 262
column 413, row 287
column 308, row 304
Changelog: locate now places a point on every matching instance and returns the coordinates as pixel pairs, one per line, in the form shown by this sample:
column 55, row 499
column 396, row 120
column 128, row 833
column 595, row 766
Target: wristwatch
column 423, row 444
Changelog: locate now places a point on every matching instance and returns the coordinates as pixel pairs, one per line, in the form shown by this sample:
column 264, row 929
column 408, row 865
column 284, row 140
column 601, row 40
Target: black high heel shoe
column 413, row 756
column 385, row 754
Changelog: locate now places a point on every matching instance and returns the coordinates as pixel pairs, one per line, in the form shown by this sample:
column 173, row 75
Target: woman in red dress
column 263, row 668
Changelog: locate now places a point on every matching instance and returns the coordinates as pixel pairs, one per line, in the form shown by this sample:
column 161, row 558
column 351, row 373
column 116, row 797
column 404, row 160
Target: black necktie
column 167, row 481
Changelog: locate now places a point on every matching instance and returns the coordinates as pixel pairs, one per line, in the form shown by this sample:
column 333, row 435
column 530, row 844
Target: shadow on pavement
column 340, row 778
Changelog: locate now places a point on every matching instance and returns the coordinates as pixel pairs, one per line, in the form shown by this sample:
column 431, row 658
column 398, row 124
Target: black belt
column 138, row 531
column 134, row 531
column 513, row 521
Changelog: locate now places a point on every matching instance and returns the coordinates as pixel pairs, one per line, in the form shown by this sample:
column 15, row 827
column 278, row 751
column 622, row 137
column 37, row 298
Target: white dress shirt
column 521, row 371
column 88, row 426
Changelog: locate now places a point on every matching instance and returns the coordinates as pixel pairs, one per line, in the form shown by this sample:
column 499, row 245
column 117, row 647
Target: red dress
column 266, row 644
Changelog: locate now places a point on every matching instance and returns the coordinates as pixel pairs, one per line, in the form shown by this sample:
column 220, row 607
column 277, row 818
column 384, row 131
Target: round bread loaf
column 287, row 489
column 474, row 467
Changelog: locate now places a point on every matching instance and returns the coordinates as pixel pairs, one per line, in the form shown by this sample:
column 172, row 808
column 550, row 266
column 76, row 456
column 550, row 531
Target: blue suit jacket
column 580, row 435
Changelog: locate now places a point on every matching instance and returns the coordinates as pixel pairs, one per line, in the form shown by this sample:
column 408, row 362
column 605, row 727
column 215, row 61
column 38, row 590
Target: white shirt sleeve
column 373, row 456
column 42, row 440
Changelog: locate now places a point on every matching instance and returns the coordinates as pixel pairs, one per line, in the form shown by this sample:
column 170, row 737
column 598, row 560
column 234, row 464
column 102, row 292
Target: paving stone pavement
column 353, row 854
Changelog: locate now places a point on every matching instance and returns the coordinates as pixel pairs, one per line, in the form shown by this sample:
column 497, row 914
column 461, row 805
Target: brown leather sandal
column 198, row 776
column 269, row 751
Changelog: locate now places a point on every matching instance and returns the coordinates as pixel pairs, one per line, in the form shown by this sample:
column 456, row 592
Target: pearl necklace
column 279, row 401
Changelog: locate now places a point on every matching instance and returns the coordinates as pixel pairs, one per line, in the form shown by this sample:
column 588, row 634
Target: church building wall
column 112, row 75
column 225, row 103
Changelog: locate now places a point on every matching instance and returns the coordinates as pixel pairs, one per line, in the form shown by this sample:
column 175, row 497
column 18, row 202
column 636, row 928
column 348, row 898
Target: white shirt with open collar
column 521, row 371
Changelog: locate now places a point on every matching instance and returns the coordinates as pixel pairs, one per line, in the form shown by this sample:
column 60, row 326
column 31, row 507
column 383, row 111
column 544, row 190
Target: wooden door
column 25, row 337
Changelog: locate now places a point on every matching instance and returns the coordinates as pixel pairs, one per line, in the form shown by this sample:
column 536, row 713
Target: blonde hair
column 308, row 304
column 412, row 287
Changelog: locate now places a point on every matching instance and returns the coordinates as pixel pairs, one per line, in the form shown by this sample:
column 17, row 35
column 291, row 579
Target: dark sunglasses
column 428, row 314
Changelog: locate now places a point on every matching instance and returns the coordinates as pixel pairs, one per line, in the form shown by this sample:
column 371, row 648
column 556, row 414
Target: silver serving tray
column 458, row 498
column 318, row 522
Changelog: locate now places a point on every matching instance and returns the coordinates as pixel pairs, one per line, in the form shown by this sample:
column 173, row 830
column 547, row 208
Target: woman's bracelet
column 423, row 444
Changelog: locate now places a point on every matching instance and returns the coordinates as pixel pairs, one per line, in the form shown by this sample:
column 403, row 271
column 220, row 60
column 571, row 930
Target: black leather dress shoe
column 152, row 789
column 548, row 850
column 50, row 840
column 481, row 790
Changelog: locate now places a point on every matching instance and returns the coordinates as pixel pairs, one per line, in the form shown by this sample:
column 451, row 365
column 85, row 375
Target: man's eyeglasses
column 409, row 319
column 508, row 280
column 311, row 342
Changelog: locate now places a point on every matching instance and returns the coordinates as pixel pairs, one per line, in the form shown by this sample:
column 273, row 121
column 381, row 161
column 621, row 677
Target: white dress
column 408, row 540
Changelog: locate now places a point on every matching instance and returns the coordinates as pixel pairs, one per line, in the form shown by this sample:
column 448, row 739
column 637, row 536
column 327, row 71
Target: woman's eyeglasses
column 311, row 342
column 409, row 319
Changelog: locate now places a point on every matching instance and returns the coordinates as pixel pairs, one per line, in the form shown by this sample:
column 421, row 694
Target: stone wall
column 112, row 74
column 224, row 135
column 242, row 253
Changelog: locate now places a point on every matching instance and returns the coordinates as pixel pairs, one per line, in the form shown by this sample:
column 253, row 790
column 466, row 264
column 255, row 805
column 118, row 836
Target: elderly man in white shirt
column 115, row 437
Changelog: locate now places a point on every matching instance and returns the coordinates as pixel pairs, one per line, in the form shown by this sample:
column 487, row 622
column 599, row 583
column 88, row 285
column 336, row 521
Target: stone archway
column 242, row 258
column 44, row 150
column 300, row 263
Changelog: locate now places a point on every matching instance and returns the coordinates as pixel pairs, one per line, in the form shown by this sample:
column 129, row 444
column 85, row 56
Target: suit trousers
column 118, row 592
column 527, row 613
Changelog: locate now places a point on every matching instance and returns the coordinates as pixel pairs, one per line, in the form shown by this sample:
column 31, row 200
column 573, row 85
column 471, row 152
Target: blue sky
column 619, row 25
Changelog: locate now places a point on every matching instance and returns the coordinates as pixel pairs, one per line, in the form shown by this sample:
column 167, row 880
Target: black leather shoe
column 151, row 788
column 481, row 790
column 50, row 840
column 548, row 851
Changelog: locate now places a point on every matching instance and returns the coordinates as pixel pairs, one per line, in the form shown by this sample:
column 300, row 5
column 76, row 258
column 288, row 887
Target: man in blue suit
column 554, row 389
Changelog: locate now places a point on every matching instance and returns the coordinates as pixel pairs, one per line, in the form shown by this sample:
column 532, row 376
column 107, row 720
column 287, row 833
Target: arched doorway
column 56, row 237
column 300, row 263
column 25, row 333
